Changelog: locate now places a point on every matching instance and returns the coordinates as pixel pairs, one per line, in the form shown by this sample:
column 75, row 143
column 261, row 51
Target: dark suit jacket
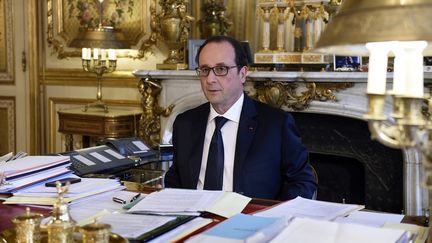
column 270, row 160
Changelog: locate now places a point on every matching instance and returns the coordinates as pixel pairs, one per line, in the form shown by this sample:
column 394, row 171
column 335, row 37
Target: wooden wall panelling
column 7, row 124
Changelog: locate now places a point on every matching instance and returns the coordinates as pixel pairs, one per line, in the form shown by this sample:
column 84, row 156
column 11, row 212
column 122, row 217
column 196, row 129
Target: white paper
column 6, row 157
column 84, row 186
column 374, row 219
column 182, row 230
column 306, row 208
column 311, row 230
column 179, row 201
column 32, row 179
column 133, row 225
column 31, row 163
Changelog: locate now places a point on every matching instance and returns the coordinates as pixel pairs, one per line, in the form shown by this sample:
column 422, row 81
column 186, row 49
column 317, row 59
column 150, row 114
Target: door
column 14, row 86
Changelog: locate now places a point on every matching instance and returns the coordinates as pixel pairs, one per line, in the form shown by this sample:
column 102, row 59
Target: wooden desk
column 96, row 123
column 8, row 212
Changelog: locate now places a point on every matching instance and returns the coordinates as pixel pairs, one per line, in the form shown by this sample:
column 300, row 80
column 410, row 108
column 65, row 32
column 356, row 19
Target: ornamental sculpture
column 297, row 96
column 149, row 125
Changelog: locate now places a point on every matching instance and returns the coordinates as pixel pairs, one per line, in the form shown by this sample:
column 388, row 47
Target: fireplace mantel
column 335, row 93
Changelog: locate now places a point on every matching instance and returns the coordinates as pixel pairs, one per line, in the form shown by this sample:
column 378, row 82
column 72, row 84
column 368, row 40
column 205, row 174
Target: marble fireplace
column 328, row 108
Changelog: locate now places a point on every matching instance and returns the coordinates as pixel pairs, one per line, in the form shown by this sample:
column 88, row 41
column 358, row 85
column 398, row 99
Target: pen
column 152, row 180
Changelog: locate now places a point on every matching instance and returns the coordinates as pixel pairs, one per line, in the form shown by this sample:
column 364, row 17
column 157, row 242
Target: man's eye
column 205, row 70
column 219, row 69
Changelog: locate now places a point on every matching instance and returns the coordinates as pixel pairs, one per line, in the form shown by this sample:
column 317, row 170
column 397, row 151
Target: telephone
column 130, row 147
column 113, row 155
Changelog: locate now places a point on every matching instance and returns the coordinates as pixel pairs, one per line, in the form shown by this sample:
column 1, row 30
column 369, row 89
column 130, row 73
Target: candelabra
column 103, row 61
column 103, row 39
column 379, row 30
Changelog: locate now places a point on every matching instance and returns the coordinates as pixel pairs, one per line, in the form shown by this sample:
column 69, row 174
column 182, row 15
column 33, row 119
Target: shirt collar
column 232, row 114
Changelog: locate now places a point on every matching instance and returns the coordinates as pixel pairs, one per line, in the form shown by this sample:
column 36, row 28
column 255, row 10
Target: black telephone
column 112, row 156
column 130, row 147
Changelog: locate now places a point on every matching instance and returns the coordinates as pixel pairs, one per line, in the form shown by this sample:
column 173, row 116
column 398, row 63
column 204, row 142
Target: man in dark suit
column 259, row 153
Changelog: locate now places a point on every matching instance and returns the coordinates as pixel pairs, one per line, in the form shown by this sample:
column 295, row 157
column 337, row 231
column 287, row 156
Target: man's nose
column 211, row 77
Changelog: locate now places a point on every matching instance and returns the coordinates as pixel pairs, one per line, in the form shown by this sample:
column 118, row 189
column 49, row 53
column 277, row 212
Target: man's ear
column 243, row 73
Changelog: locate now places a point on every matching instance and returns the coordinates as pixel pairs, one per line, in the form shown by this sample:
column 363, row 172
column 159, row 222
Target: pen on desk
column 152, row 180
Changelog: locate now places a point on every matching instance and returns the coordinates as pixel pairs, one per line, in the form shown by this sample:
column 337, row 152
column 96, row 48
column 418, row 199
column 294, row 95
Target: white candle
column 96, row 53
column 89, row 53
column 408, row 68
column 111, row 54
column 103, row 54
column 84, row 53
column 377, row 74
column 414, row 70
column 399, row 71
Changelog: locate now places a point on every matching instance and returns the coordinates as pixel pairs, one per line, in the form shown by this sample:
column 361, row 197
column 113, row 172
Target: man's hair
column 240, row 55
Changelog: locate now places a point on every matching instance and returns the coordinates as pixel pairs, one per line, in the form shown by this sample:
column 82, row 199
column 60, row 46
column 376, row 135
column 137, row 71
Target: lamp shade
column 104, row 37
column 361, row 21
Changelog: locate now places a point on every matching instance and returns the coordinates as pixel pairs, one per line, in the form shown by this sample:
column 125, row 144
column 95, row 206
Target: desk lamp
column 380, row 29
column 98, row 53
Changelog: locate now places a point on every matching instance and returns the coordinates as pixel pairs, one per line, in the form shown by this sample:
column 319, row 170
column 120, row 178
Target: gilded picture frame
column 65, row 17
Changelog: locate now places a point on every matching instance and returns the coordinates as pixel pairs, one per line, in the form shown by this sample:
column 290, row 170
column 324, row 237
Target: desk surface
column 8, row 212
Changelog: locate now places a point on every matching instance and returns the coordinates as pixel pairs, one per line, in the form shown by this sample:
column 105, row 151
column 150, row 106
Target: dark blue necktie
column 215, row 161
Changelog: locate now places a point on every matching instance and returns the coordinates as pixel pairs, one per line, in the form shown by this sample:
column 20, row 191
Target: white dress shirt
column 229, row 136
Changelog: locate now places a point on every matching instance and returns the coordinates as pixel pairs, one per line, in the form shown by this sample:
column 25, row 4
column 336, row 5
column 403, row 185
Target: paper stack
column 191, row 202
column 31, row 170
column 42, row 195
column 304, row 220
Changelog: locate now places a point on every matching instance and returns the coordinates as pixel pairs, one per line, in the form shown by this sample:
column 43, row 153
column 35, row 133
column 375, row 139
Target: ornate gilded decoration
column 149, row 125
column 174, row 27
column 154, row 28
column 61, row 225
column 214, row 21
column 298, row 95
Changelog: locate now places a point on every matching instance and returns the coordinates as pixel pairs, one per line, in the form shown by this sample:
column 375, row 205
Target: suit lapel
column 198, row 129
column 245, row 135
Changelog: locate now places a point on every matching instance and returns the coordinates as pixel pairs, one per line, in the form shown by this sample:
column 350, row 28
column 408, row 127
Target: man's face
column 221, row 91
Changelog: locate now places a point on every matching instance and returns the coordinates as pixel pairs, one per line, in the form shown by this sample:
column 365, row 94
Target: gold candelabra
column 102, row 61
column 98, row 51
column 380, row 30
